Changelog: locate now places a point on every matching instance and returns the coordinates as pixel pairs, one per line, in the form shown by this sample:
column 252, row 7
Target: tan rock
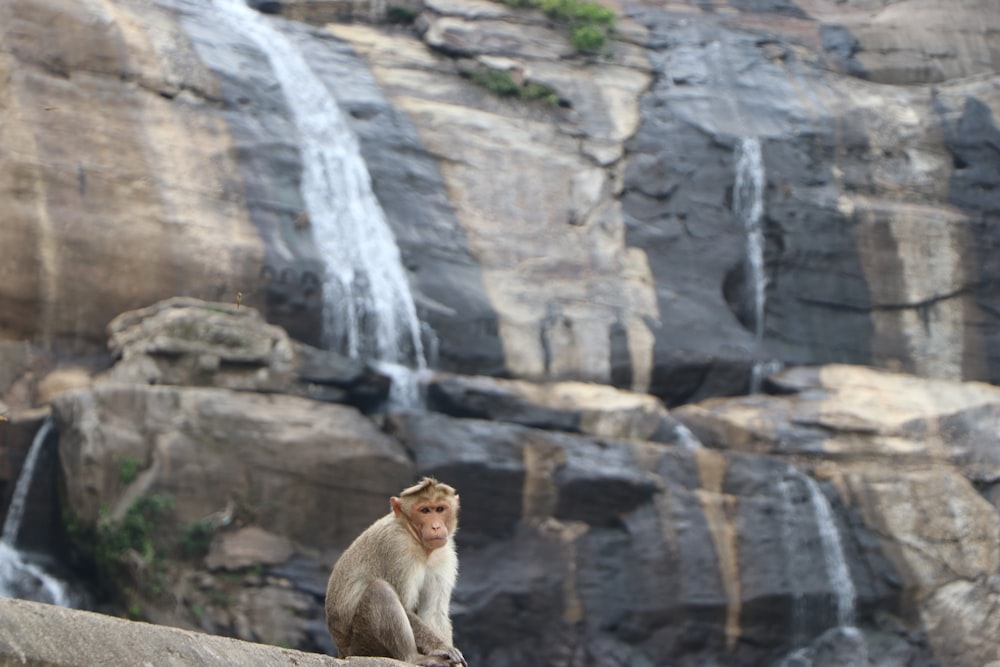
column 966, row 609
column 581, row 407
column 934, row 526
column 455, row 35
column 247, row 547
column 921, row 41
column 186, row 341
column 852, row 411
column 282, row 460
column 128, row 211
column 60, row 380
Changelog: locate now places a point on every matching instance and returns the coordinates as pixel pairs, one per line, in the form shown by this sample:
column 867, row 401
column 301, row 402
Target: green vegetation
column 401, row 14
column 589, row 22
column 128, row 469
column 196, row 538
column 587, row 38
column 133, row 533
column 502, row 83
column 132, row 553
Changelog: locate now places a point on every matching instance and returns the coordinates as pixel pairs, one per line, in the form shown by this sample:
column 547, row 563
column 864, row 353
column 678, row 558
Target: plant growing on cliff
column 502, row 83
column 134, row 533
column 128, row 469
column 196, row 538
column 589, row 23
column 125, row 552
column 401, row 14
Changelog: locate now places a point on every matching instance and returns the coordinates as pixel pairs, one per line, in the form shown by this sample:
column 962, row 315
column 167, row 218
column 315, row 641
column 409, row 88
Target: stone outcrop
column 85, row 639
column 575, row 407
column 305, row 469
column 591, row 239
column 184, row 341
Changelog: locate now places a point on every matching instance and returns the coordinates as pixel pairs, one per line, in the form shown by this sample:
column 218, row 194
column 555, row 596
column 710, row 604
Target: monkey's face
column 433, row 522
column 429, row 511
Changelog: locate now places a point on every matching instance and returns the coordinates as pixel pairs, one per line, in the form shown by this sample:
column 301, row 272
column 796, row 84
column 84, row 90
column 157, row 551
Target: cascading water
column 788, row 541
column 748, row 207
column 686, row 438
column 18, row 500
column 802, row 505
column 18, row 577
column 369, row 311
column 833, row 554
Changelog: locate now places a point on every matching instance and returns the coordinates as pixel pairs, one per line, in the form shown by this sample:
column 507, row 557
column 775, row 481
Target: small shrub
column 128, row 469
column 498, row 82
column 587, row 38
column 196, row 538
column 503, row 84
column 401, row 14
column 135, row 530
column 537, row 91
column 116, row 546
column 589, row 22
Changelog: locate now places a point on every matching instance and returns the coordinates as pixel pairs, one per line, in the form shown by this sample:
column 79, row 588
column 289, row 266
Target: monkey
column 389, row 592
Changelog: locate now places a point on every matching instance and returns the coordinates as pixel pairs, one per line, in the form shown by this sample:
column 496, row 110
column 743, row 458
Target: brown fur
column 390, row 591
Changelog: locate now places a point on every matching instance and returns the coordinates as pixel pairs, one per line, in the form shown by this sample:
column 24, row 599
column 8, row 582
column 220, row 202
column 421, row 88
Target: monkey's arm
column 429, row 643
column 427, row 640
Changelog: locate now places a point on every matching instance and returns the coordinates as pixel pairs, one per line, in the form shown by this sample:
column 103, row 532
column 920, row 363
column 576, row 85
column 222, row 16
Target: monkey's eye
column 440, row 508
column 425, row 510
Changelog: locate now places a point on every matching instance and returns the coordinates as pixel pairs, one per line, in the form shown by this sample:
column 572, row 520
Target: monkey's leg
column 380, row 626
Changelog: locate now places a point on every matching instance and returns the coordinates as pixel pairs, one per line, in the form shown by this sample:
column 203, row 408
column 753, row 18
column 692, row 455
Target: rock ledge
column 38, row 634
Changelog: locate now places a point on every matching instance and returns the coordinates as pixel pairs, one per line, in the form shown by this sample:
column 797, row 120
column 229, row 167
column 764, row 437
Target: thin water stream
column 748, row 207
column 20, row 577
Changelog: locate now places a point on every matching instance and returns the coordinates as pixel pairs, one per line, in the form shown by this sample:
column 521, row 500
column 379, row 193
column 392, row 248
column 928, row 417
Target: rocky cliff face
column 601, row 236
column 848, row 512
column 725, row 188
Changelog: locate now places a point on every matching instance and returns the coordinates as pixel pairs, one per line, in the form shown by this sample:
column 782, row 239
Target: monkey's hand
column 445, row 657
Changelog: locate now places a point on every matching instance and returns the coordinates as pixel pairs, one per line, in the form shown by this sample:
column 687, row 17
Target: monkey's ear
column 397, row 507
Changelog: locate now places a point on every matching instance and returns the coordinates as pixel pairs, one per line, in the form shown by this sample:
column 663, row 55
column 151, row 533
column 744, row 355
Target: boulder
column 189, row 342
column 853, row 412
column 523, row 473
column 282, row 460
column 965, row 608
column 86, row 638
column 246, row 547
column 573, row 407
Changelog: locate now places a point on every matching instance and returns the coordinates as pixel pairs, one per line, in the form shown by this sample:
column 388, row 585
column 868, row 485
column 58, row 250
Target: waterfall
column 791, row 554
column 685, row 438
column 406, row 390
column 15, row 511
column 748, row 207
column 369, row 312
column 833, row 554
column 18, row 577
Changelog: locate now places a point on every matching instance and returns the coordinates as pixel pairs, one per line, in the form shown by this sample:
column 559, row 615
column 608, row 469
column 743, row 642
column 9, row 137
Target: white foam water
column 748, row 207
column 833, row 554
